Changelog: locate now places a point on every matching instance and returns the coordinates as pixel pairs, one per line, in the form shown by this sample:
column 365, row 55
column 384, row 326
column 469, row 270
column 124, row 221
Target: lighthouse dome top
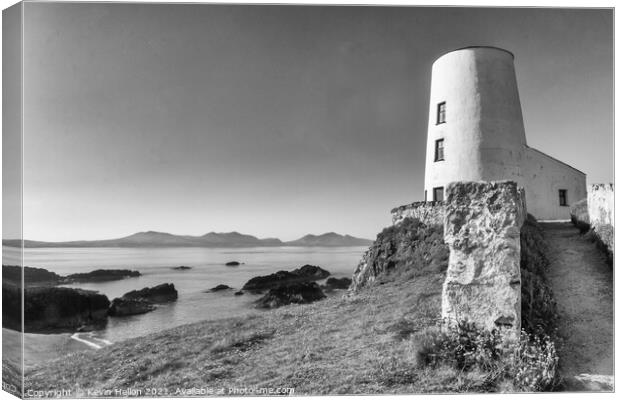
column 474, row 48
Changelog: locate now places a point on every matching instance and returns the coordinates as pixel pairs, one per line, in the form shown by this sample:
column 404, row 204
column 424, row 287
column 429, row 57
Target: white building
column 476, row 133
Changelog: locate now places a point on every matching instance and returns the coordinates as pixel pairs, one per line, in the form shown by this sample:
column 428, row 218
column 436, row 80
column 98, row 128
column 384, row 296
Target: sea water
column 195, row 302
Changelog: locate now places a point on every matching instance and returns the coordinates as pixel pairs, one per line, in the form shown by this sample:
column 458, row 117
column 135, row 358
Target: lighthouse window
column 439, row 150
column 563, row 201
column 438, row 193
column 441, row 113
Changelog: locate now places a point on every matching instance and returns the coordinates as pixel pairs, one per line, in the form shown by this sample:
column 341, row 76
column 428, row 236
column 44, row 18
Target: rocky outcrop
column 42, row 277
column 307, row 273
column 32, row 276
column 335, row 283
column 428, row 212
column 402, row 251
column 103, row 275
column 219, row 288
column 482, row 229
column 53, row 309
column 157, row 294
column 141, row 301
column 296, row 293
column 125, row 306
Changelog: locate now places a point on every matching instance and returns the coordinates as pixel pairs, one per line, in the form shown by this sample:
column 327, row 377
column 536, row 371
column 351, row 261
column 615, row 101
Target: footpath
column 582, row 284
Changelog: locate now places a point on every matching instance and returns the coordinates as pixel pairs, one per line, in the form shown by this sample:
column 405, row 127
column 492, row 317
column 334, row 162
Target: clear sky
column 275, row 121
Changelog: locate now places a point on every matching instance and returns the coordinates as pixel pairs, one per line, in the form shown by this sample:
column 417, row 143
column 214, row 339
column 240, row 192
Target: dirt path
column 582, row 283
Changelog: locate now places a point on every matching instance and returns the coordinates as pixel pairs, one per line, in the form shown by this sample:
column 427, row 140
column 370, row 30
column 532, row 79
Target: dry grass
column 11, row 377
column 340, row 345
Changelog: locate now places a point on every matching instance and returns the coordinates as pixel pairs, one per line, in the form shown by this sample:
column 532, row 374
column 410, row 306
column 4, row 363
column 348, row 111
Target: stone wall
column 601, row 213
column 429, row 212
column 482, row 229
column 601, row 204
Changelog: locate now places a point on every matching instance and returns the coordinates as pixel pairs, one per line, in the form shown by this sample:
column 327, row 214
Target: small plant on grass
column 529, row 364
column 535, row 366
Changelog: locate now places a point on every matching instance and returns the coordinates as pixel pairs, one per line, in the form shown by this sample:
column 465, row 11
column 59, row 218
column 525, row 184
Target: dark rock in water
column 102, row 275
column 307, row 273
column 311, row 272
column 335, row 283
column 157, row 294
column 124, row 306
column 296, row 293
column 239, row 293
column 53, row 309
column 32, row 276
column 141, row 301
column 182, row 268
column 220, row 288
column 233, row 263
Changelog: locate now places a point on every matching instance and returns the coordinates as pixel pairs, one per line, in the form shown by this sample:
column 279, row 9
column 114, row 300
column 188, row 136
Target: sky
column 275, row 121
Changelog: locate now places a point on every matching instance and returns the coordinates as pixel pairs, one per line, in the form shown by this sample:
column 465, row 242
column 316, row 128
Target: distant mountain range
column 329, row 239
column 211, row 239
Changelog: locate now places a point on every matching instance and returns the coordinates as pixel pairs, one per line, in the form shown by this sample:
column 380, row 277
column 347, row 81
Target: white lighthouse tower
column 476, row 133
column 475, row 126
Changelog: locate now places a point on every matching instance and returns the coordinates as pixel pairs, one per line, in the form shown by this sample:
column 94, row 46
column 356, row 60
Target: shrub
column 460, row 347
column 582, row 226
column 579, row 215
column 538, row 308
column 603, row 237
column 528, row 364
column 535, row 365
column 239, row 341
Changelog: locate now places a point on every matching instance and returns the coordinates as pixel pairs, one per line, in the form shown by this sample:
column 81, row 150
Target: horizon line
column 194, row 236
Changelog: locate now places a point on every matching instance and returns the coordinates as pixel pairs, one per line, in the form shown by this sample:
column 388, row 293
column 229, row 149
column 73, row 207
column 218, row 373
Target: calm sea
column 194, row 304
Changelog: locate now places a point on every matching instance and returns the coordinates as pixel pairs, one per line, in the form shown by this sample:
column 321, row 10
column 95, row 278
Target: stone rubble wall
column 601, row 204
column 428, row 212
column 482, row 229
column 601, row 213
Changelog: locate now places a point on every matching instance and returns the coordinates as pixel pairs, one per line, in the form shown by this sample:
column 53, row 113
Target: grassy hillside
column 356, row 345
column 381, row 340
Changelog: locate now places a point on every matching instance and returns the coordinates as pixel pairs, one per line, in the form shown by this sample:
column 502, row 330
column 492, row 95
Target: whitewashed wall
column 601, row 204
column 543, row 177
